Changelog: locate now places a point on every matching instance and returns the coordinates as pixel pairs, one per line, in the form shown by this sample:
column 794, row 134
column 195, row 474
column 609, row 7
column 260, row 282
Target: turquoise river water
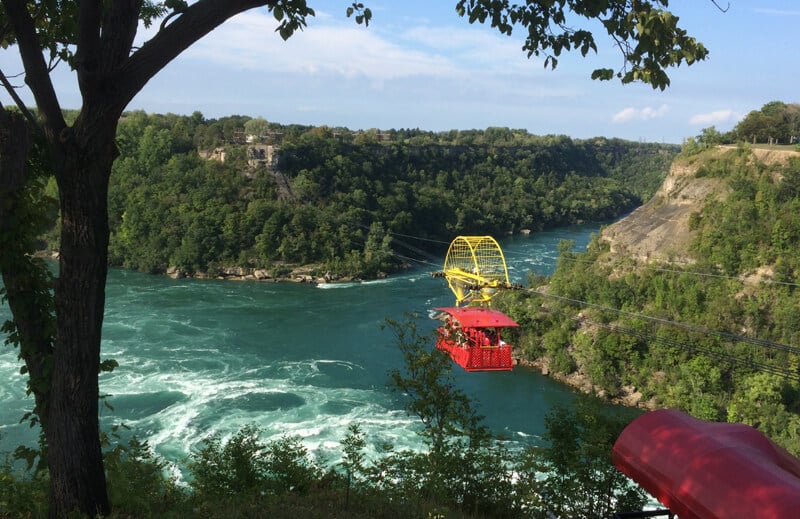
column 200, row 356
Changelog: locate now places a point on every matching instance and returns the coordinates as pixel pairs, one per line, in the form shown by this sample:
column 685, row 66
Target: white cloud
column 454, row 61
column 475, row 46
column 343, row 49
column 249, row 42
column 776, row 12
column 717, row 117
column 640, row 114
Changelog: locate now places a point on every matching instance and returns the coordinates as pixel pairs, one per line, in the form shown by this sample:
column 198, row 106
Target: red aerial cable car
column 708, row 470
column 471, row 336
column 475, row 269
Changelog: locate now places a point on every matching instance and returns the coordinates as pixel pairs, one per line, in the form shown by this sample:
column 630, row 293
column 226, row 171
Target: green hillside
column 339, row 199
column 719, row 336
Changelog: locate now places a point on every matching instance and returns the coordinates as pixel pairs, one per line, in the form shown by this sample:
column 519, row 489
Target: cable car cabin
column 472, row 338
column 708, row 470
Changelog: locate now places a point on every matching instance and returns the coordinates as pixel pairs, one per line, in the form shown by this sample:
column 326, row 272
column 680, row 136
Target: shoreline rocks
column 302, row 274
column 629, row 396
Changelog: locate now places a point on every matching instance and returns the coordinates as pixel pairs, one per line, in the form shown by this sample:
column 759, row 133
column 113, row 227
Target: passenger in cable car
column 447, row 328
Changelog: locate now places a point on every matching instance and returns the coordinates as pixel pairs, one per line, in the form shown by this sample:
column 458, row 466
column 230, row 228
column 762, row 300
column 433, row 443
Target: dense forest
column 717, row 337
column 775, row 123
column 344, row 200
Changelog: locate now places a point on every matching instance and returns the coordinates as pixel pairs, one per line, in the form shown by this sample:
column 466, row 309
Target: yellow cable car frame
column 475, row 268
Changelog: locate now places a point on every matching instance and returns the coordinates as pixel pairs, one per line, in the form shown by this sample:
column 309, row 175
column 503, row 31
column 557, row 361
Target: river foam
column 203, row 357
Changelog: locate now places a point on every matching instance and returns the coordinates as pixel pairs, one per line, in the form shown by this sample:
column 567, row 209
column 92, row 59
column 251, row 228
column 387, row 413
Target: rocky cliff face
column 659, row 230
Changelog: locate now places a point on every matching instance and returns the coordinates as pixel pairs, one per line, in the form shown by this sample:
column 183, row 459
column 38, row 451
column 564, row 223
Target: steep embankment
column 725, row 210
column 659, row 230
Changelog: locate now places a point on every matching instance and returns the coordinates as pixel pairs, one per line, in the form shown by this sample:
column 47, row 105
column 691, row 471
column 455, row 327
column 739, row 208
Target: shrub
column 244, row 465
column 22, row 493
column 219, row 469
column 139, row 483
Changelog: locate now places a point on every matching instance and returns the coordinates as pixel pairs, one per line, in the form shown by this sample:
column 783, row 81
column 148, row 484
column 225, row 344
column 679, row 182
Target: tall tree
column 257, row 127
column 96, row 40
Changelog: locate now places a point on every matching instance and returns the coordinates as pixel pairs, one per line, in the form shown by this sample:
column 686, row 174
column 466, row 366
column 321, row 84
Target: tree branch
column 87, row 54
column 725, row 10
column 18, row 101
column 105, row 39
column 119, row 30
column 195, row 22
column 37, row 75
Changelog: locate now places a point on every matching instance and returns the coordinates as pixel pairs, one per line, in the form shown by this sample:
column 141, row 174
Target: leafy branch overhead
column 98, row 41
column 363, row 14
column 647, row 36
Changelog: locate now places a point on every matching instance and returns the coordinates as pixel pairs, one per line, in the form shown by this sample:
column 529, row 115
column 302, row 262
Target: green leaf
column 603, row 74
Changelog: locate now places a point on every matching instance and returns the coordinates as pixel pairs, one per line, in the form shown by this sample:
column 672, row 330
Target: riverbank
column 284, row 273
column 314, row 273
column 629, row 396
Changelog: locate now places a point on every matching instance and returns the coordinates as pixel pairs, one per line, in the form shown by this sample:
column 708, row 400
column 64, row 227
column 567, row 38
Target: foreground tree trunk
column 97, row 38
column 109, row 74
column 77, row 478
column 27, row 286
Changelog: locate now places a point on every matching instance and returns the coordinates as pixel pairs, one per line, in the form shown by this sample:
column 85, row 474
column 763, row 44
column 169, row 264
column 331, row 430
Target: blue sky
column 419, row 65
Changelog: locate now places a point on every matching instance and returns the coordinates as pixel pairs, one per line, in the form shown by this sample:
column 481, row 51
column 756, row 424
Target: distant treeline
column 776, row 123
column 341, row 199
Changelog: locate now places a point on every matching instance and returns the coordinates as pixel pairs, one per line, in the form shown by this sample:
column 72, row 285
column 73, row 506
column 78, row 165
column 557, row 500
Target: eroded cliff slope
column 659, row 230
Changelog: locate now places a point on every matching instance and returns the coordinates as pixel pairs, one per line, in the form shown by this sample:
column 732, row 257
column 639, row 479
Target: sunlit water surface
column 199, row 357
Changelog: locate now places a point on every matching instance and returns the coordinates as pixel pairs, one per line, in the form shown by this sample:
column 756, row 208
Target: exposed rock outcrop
column 296, row 274
column 659, row 230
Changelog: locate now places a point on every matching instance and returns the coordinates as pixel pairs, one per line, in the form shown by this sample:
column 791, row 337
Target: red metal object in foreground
column 472, row 338
column 709, row 470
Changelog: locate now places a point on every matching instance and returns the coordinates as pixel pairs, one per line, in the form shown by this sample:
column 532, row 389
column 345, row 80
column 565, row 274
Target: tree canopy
column 96, row 41
column 647, row 36
column 777, row 122
column 718, row 337
column 330, row 201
